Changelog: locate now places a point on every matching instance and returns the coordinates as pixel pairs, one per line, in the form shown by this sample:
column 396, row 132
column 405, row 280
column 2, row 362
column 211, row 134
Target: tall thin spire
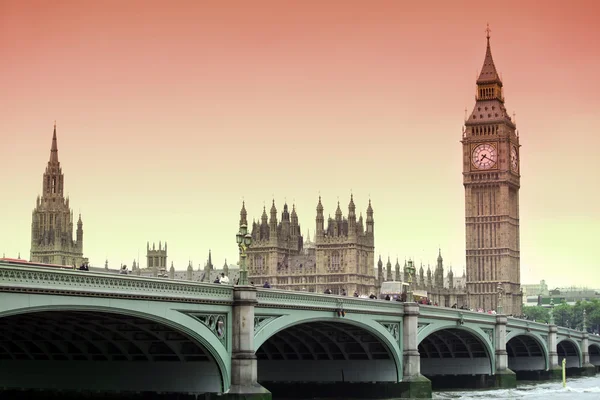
column 54, row 149
column 488, row 72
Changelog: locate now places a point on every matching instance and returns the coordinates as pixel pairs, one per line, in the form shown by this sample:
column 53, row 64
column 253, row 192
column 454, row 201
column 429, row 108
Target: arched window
column 335, row 261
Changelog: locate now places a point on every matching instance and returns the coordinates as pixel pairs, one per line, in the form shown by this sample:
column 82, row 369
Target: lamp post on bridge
column 584, row 329
column 551, row 319
column 244, row 240
column 500, row 308
column 411, row 271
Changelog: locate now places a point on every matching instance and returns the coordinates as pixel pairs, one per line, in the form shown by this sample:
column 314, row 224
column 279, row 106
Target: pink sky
column 169, row 113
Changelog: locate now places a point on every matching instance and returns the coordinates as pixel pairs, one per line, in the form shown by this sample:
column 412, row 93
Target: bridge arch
column 440, row 345
column 569, row 349
column 123, row 327
column 527, row 352
column 323, row 346
column 594, row 353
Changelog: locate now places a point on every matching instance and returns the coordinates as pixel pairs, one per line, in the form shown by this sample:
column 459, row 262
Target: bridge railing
column 39, row 280
column 561, row 330
column 455, row 314
column 518, row 323
column 326, row 302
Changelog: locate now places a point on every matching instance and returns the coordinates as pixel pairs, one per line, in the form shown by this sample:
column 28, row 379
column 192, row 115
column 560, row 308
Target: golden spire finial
column 487, row 31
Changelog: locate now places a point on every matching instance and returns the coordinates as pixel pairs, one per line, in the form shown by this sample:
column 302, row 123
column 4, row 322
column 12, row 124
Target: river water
column 577, row 388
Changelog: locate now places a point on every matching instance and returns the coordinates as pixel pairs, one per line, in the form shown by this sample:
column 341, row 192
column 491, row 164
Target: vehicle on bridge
column 396, row 290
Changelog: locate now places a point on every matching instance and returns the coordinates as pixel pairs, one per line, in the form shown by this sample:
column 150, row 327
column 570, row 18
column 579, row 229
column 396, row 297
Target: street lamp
column 244, row 240
column 411, row 271
column 551, row 320
column 500, row 308
column 584, row 322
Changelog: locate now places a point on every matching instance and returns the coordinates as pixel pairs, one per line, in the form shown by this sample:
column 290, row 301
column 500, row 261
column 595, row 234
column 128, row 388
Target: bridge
column 74, row 330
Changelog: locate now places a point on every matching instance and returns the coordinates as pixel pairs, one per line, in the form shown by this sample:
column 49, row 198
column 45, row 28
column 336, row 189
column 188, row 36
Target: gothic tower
column 52, row 220
column 491, row 177
column 156, row 260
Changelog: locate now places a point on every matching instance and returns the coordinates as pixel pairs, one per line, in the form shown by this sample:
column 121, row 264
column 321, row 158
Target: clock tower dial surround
column 491, row 178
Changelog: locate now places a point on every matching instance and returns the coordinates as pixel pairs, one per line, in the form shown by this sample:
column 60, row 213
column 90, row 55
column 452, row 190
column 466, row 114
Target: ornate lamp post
column 500, row 308
column 551, row 320
column 411, row 271
column 584, row 321
column 244, row 240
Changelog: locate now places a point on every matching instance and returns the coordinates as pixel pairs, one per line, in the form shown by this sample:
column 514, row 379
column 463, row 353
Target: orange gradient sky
column 170, row 113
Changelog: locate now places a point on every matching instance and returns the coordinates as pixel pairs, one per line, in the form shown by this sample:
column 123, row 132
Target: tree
column 563, row 315
column 536, row 313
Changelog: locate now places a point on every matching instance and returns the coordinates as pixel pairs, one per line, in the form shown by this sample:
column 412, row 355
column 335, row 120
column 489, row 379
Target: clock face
column 514, row 159
column 485, row 156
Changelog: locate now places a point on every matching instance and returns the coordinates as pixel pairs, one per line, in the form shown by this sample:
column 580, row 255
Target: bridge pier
column 505, row 378
column 244, row 385
column 554, row 370
column 587, row 368
column 417, row 385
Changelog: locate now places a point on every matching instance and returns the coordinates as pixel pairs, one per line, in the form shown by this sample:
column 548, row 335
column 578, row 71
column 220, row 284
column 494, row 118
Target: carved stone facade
column 491, row 177
column 341, row 257
column 52, row 220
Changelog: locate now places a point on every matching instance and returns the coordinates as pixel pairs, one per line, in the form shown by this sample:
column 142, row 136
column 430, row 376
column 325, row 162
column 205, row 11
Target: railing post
column 244, row 383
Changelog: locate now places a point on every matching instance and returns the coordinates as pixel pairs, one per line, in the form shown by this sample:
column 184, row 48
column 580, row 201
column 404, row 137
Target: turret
column 429, row 279
column 243, row 215
column 190, row 271
column 226, row 268
column 439, row 271
column 370, row 221
column 80, row 234
column 379, row 272
column 388, row 268
column 295, row 227
column 397, row 270
column 351, row 218
column 285, row 221
column 172, row 271
column 320, row 221
column 273, row 221
column 450, row 279
column 421, row 276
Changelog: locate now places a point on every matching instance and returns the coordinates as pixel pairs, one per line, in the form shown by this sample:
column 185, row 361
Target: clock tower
column 491, row 177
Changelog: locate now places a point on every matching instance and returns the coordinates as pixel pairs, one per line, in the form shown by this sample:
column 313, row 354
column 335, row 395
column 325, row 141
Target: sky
column 170, row 114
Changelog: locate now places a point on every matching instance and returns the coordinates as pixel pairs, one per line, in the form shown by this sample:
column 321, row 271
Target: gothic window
column 335, row 261
column 258, row 263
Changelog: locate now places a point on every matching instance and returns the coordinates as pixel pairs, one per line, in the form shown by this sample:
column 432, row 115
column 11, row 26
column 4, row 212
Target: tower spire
column 488, row 72
column 54, row 148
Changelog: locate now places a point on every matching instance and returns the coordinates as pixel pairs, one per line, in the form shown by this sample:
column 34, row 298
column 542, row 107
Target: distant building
column 532, row 291
column 52, row 220
column 341, row 258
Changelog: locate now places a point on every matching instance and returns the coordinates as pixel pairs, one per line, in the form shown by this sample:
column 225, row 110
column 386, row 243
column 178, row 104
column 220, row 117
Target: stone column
column 244, row 383
column 505, row 378
column 554, row 369
column 418, row 385
column 588, row 369
column 410, row 354
column 500, row 343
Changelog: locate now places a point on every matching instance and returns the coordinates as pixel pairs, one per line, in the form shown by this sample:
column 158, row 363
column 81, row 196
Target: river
column 577, row 388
